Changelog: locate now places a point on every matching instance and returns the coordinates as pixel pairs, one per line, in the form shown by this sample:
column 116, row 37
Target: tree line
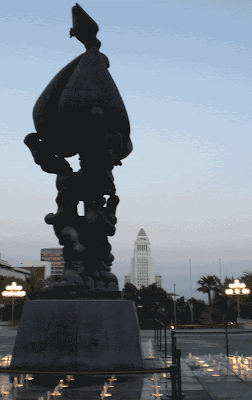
column 223, row 307
column 153, row 302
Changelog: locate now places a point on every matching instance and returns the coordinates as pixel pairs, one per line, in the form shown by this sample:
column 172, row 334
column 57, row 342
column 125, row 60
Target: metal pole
column 226, row 332
column 160, row 330
column 165, row 342
column 175, row 316
column 178, row 351
column 238, row 301
column 12, row 312
column 173, row 347
column 190, row 277
column 157, row 333
column 191, row 310
column 173, row 381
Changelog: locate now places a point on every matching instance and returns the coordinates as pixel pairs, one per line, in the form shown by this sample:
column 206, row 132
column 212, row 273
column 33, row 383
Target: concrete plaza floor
column 206, row 374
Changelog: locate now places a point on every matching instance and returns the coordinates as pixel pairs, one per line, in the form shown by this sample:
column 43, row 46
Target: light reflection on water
column 135, row 387
column 217, row 365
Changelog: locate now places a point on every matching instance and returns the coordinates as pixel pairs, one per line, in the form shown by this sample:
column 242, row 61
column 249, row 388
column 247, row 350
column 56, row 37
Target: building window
column 141, row 247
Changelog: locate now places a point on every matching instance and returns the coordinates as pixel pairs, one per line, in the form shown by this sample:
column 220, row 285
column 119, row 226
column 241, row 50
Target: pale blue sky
column 183, row 69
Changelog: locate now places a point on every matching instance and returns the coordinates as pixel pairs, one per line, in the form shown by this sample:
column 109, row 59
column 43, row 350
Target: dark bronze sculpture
column 81, row 112
column 76, row 325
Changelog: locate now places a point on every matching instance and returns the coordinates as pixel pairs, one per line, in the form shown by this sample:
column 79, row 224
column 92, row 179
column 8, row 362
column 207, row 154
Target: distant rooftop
column 141, row 232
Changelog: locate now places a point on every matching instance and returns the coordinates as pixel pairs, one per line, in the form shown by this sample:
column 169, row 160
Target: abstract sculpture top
column 81, row 112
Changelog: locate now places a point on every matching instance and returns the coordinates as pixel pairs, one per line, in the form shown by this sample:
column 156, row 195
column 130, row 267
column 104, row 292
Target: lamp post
column 13, row 291
column 190, row 303
column 175, row 310
column 174, row 295
column 237, row 288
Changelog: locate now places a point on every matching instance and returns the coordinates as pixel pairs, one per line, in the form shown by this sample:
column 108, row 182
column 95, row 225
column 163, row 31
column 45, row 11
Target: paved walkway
column 223, row 378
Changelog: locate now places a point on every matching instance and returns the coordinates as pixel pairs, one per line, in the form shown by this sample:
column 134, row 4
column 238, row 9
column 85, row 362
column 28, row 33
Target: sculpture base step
column 78, row 335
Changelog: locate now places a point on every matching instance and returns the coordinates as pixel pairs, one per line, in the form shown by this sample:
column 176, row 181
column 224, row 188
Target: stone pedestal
column 78, row 335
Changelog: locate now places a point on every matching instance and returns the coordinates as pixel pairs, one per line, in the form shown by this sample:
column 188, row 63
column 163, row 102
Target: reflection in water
column 157, row 394
column 5, row 387
column 155, row 379
column 104, row 392
column 6, row 360
column 214, row 365
column 78, row 387
column 57, row 391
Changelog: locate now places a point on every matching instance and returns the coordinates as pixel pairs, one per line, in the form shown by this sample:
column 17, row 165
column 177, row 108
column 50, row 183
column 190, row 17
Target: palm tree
column 208, row 284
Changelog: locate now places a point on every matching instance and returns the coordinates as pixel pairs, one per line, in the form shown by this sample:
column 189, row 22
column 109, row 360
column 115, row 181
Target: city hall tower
column 142, row 269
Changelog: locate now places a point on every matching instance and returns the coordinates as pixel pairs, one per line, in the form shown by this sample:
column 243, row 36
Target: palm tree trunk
column 209, row 297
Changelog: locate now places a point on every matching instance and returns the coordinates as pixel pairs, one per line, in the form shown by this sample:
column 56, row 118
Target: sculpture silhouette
column 81, row 112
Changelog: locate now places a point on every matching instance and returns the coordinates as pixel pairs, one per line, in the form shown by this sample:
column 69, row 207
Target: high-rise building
column 126, row 279
column 55, row 257
column 158, row 280
column 142, row 271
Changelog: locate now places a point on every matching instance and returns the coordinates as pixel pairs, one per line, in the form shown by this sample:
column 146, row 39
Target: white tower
column 142, row 270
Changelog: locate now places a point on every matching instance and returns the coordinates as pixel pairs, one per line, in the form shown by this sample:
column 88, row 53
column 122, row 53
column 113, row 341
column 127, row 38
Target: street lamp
column 237, row 288
column 13, row 291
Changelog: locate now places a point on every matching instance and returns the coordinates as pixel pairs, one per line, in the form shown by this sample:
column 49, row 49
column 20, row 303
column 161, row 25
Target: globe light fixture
column 13, row 291
column 237, row 288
